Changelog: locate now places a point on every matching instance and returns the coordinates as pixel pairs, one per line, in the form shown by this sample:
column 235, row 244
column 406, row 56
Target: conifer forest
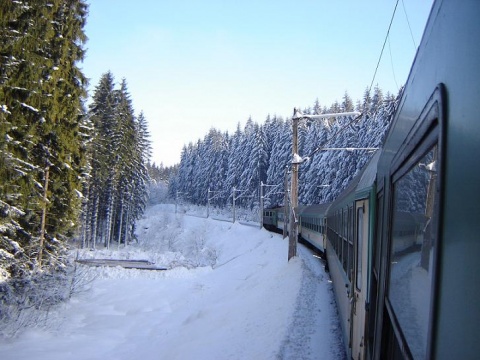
column 75, row 168
column 333, row 149
column 68, row 172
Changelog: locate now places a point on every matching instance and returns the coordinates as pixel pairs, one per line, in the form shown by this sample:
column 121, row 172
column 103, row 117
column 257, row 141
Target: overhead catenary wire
column 357, row 118
column 334, row 135
column 391, row 62
column 323, row 145
column 409, row 27
column 383, row 47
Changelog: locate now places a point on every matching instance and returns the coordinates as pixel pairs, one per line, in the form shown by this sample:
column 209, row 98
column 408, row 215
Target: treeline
column 161, row 173
column 214, row 166
column 65, row 172
column 43, row 145
column 117, row 190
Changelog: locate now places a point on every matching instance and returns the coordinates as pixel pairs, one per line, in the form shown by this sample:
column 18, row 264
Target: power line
column 383, row 47
column 391, row 62
column 334, row 135
column 408, row 22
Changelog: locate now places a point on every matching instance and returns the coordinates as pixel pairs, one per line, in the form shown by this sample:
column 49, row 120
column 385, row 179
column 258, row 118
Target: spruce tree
column 102, row 118
column 41, row 92
column 119, row 153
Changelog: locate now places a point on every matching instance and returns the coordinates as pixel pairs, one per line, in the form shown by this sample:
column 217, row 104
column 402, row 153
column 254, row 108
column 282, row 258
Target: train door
column 359, row 279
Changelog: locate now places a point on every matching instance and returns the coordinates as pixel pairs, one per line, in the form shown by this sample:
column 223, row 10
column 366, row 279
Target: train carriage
column 427, row 298
column 274, row 219
column 350, row 222
column 402, row 241
column 312, row 226
column 270, row 219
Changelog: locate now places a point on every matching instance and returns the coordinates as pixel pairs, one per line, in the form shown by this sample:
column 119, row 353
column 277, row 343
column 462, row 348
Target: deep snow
column 229, row 293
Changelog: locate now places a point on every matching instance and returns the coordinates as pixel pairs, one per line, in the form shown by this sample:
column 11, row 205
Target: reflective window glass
column 412, row 249
column 359, row 247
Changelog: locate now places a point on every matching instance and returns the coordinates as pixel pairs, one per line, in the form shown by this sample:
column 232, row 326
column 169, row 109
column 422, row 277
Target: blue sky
column 193, row 65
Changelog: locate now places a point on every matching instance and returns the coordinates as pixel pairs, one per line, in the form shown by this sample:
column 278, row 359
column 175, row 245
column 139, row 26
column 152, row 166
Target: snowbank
column 229, row 294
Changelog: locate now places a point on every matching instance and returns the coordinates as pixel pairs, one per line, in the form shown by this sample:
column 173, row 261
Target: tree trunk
column 119, row 237
column 44, row 217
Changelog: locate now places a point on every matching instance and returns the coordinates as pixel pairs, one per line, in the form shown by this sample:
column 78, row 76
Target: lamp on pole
column 296, row 161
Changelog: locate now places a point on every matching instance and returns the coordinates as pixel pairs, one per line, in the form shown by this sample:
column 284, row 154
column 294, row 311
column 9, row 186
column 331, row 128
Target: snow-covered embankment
column 230, row 294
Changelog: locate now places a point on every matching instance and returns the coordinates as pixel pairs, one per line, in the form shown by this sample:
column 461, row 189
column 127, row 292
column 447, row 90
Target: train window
column 344, row 241
column 339, row 235
column 359, row 247
column 412, row 248
column 377, row 250
column 350, row 242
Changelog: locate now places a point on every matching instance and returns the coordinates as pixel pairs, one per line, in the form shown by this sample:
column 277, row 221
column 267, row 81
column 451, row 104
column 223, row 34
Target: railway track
column 127, row 264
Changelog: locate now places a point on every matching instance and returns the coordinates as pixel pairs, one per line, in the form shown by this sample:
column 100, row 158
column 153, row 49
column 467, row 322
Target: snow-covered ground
column 229, row 293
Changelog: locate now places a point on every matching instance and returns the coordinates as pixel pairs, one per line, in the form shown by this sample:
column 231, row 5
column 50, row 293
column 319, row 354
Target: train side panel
column 341, row 288
column 349, row 248
column 428, row 297
column 312, row 227
column 314, row 238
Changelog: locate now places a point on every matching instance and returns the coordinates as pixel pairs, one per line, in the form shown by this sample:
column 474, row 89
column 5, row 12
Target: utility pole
column 260, row 220
column 233, row 199
column 292, row 238
column 296, row 161
column 286, row 205
column 208, row 202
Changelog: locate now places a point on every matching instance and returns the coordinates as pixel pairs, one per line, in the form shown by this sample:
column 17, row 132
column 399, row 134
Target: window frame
column 427, row 132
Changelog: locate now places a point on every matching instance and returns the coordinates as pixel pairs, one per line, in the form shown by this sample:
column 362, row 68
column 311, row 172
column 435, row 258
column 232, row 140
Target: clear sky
column 191, row 65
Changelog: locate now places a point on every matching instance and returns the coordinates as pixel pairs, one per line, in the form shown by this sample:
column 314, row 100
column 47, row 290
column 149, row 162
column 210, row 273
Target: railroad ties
column 127, row 264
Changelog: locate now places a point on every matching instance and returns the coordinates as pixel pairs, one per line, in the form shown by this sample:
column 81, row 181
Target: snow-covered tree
column 119, row 154
column 42, row 153
column 263, row 153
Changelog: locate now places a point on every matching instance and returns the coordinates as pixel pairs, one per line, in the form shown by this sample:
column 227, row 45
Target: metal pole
column 208, row 202
column 234, row 204
column 176, row 202
column 261, row 204
column 286, row 205
column 292, row 240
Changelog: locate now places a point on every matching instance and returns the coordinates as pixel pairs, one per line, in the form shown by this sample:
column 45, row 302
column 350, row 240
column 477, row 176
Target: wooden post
column 292, row 240
column 286, row 206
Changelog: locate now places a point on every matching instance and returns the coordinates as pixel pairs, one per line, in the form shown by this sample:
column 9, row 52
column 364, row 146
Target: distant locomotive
column 402, row 241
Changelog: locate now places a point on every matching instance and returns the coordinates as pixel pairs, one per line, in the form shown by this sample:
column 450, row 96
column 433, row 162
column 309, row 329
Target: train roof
column 317, row 209
column 361, row 184
column 369, row 173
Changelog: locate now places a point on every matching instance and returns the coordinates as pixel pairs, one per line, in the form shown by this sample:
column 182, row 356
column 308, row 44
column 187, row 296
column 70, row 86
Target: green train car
column 424, row 303
column 402, row 242
column 403, row 246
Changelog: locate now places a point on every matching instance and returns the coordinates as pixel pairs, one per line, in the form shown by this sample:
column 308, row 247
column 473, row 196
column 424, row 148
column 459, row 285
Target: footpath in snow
column 229, row 293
